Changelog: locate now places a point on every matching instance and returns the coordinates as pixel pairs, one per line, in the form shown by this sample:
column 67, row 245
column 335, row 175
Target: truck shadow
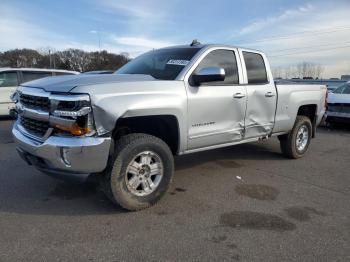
column 23, row 190
column 229, row 157
column 56, row 198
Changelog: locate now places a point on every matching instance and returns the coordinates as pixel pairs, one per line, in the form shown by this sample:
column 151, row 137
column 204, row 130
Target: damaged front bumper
column 64, row 155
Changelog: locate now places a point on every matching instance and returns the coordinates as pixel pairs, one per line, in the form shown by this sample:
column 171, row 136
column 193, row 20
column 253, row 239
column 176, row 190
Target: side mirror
column 209, row 74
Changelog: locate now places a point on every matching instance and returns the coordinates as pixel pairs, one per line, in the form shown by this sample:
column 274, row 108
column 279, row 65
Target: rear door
column 261, row 93
column 8, row 85
column 216, row 110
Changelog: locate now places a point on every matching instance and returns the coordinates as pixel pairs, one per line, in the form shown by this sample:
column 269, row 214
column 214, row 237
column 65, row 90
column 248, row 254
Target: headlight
column 74, row 114
column 81, row 112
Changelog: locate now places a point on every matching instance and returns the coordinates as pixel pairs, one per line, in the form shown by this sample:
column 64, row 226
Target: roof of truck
column 200, row 46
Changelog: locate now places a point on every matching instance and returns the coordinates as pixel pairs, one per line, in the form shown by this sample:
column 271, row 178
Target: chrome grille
column 35, row 102
column 34, row 127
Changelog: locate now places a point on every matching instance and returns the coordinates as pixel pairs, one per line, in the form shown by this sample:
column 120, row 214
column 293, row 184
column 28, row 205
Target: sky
column 289, row 32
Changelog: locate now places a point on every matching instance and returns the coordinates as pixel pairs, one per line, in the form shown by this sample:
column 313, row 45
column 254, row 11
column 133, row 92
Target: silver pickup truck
column 126, row 127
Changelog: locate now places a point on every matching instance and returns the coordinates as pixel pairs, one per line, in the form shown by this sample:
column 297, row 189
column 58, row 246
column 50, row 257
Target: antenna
column 195, row 42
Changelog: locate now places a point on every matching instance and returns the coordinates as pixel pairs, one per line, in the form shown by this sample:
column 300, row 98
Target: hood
column 67, row 83
column 338, row 98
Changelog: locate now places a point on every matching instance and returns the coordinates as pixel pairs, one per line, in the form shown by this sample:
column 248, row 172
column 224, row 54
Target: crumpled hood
column 67, row 83
column 338, row 98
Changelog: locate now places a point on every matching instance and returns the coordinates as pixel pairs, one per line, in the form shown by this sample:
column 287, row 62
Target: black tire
column 126, row 149
column 288, row 142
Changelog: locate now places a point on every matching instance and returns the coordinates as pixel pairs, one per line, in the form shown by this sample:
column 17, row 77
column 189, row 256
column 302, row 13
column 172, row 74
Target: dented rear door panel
column 261, row 101
column 261, row 108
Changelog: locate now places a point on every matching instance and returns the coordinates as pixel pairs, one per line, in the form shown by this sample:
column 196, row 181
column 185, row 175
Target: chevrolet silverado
column 126, row 127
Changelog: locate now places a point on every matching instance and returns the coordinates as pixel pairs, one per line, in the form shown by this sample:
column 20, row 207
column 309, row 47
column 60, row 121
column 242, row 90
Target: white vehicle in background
column 10, row 78
column 338, row 105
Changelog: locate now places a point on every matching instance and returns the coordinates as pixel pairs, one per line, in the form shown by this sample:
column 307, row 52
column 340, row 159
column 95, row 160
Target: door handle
column 269, row 94
column 238, row 95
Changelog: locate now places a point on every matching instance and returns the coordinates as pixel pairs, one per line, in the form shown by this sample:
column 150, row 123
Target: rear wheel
column 296, row 143
column 140, row 173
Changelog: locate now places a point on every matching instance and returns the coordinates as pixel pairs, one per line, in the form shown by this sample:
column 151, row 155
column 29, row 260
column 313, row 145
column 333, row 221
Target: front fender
column 110, row 103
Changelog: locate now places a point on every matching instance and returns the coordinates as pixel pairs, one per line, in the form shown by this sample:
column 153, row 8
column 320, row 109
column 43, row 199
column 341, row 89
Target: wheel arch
column 165, row 127
column 310, row 111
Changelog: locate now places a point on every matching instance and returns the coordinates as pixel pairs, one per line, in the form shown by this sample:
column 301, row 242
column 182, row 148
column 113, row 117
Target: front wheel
column 295, row 144
column 140, row 173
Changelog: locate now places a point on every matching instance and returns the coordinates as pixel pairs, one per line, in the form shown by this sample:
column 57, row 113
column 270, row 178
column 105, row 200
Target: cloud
column 136, row 9
column 137, row 45
column 318, row 33
column 272, row 20
column 141, row 42
column 20, row 31
column 152, row 17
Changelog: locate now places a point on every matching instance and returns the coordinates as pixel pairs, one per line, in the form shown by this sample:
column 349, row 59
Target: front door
column 216, row 110
column 8, row 85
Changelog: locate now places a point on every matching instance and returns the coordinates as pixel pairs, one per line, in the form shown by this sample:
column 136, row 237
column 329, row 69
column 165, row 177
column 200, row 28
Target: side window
column 29, row 76
column 256, row 69
column 8, row 79
column 225, row 59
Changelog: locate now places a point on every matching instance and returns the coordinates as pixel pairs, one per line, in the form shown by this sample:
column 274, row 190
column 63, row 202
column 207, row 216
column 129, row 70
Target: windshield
column 343, row 89
column 164, row 64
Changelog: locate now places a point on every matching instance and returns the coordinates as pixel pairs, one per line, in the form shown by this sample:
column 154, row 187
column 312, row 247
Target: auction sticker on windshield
column 178, row 62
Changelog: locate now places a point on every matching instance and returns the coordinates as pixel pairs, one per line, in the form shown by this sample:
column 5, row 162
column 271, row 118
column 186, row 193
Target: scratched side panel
column 260, row 114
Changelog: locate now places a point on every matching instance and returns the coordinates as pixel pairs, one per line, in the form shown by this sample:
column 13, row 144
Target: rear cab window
column 8, row 79
column 256, row 69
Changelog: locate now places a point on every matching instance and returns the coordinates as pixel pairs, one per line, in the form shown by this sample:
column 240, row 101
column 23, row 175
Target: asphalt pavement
column 241, row 203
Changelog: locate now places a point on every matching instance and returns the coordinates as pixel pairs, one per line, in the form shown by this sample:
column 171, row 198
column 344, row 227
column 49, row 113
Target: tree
column 300, row 70
column 309, row 70
column 71, row 59
column 20, row 58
